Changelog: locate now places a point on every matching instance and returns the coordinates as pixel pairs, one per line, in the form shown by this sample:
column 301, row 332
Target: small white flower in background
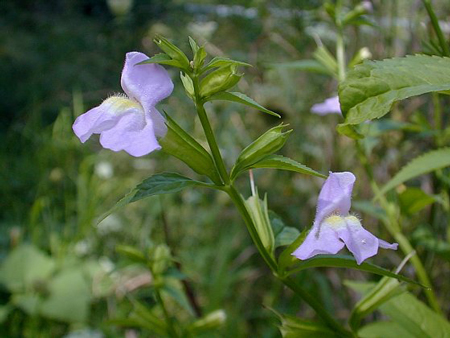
column 104, row 170
column 109, row 225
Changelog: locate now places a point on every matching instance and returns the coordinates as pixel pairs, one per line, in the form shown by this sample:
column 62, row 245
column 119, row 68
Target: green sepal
column 242, row 99
column 162, row 59
column 219, row 80
column 173, row 51
column 361, row 55
column 267, row 144
column 181, row 145
column 259, row 213
column 188, row 85
column 219, row 62
column 194, row 46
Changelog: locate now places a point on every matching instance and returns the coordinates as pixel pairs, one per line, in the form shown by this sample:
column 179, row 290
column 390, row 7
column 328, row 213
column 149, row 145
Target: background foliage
column 59, row 58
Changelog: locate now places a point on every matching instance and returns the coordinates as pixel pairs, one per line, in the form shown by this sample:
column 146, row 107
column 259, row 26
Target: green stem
column 340, row 54
column 436, row 27
column 393, row 227
column 340, row 48
column 172, row 332
column 211, row 139
column 289, row 282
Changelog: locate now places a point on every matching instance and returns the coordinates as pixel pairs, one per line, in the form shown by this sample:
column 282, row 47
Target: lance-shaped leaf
column 371, row 89
column 173, row 51
column 180, row 144
column 341, row 261
column 162, row 59
column 158, row 184
column 423, row 164
column 267, row 144
column 285, row 163
column 242, row 99
column 386, row 289
column 218, row 62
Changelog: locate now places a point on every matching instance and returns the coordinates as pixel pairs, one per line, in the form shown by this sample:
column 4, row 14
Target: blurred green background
column 59, row 58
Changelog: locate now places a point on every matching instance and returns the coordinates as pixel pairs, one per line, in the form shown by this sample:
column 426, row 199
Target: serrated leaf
column 285, row 163
column 242, row 99
column 158, row 184
column 423, row 164
column 312, row 66
column 371, row 89
column 341, row 261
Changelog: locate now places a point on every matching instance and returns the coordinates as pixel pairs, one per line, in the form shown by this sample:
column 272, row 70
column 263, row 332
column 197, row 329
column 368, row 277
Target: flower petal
column 329, row 106
column 159, row 123
column 386, row 245
column 133, row 133
column 103, row 117
column 319, row 241
column 361, row 243
column 335, row 196
column 148, row 83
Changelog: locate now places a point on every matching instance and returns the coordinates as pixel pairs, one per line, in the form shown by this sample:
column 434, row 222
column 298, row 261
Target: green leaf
column 415, row 317
column 384, row 329
column 412, row 200
column 24, row 267
column 218, row 62
column 386, row 289
column 285, row 163
column 286, row 259
column 371, row 89
column 212, row 321
column 162, row 59
column 173, row 51
column 165, row 183
column 423, row 164
column 428, row 239
column 268, row 143
column 132, row 253
column 183, row 146
column 312, row 66
column 144, row 318
column 294, row 327
column 284, row 235
column 70, row 296
column 242, row 99
column 341, row 261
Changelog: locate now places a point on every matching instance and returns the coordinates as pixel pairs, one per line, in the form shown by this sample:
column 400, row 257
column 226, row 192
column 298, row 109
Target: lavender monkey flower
column 334, row 227
column 329, row 106
column 130, row 122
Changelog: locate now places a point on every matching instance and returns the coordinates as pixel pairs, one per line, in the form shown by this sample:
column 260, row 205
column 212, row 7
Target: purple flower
column 130, row 122
column 329, row 106
column 334, row 227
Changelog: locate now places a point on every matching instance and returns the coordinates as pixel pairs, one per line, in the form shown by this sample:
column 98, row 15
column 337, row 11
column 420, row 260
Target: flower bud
column 219, row 80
